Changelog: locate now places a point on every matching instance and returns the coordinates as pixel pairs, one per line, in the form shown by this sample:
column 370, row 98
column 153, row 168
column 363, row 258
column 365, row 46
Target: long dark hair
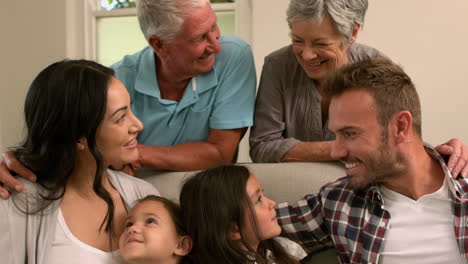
column 211, row 202
column 65, row 102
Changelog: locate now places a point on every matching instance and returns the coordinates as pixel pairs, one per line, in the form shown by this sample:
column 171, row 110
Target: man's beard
column 381, row 165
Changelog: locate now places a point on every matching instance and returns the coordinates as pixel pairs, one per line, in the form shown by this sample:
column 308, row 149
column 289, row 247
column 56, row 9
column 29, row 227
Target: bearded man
column 399, row 202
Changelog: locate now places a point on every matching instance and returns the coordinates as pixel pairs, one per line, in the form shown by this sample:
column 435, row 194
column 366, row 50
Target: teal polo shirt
column 221, row 99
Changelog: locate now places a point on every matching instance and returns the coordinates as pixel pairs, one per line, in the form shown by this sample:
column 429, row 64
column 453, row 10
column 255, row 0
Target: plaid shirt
column 355, row 222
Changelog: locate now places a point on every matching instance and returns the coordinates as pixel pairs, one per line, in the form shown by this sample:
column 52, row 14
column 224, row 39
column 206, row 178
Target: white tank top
column 66, row 248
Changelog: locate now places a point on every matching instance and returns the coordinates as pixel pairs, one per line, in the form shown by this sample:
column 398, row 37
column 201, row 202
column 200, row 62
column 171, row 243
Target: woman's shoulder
column 358, row 52
column 31, row 200
column 131, row 188
column 282, row 64
column 283, row 55
column 31, row 192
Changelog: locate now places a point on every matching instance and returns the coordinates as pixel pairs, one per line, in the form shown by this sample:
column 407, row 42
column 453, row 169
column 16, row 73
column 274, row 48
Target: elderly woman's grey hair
column 164, row 18
column 345, row 14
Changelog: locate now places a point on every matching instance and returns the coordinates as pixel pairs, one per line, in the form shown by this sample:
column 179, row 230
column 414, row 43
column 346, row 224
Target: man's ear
column 403, row 125
column 81, row 144
column 234, row 233
column 158, row 45
column 184, row 246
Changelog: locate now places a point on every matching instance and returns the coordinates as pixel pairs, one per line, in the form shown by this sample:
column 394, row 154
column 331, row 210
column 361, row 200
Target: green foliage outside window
column 117, row 4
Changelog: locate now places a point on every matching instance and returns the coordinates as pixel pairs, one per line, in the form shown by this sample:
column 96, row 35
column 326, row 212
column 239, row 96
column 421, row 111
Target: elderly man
column 193, row 89
column 398, row 203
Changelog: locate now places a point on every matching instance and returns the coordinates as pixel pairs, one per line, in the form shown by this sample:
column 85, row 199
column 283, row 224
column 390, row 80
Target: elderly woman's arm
column 458, row 152
column 309, row 151
column 267, row 143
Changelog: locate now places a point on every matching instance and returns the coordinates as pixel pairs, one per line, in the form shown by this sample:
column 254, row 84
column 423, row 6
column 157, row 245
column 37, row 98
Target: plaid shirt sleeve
column 304, row 223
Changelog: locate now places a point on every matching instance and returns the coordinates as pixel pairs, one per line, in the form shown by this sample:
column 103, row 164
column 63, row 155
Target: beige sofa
column 281, row 182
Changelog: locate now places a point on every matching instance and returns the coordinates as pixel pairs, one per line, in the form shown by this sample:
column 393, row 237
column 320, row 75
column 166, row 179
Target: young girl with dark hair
column 79, row 123
column 230, row 220
column 154, row 233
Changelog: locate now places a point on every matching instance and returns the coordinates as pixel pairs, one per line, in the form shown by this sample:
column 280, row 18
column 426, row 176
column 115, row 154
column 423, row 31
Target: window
column 117, row 4
column 112, row 29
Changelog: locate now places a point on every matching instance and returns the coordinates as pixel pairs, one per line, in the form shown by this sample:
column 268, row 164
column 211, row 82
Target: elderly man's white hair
column 164, row 18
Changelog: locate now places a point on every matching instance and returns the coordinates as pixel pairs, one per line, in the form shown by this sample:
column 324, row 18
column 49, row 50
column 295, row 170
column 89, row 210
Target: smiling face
column 368, row 155
column 318, row 47
column 116, row 136
column 265, row 214
column 150, row 235
column 193, row 50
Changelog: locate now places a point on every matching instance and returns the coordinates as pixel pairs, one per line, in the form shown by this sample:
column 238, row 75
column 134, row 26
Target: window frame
column 84, row 26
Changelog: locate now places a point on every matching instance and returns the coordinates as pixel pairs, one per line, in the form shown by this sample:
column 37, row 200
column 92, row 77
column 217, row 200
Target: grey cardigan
column 27, row 238
column 288, row 107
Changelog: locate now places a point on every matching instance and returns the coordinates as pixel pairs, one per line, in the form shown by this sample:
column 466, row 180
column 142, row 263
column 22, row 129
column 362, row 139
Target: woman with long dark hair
column 79, row 123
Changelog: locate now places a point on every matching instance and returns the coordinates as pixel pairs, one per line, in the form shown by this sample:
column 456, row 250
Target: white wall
column 33, row 35
column 269, row 32
column 428, row 37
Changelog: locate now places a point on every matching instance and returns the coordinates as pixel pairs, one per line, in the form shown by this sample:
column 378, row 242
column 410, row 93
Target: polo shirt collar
column 146, row 82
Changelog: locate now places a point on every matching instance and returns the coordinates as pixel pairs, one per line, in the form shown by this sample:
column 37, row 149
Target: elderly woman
column 291, row 114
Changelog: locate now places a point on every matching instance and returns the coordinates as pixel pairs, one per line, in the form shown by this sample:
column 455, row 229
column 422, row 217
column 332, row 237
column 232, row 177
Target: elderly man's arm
column 218, row 149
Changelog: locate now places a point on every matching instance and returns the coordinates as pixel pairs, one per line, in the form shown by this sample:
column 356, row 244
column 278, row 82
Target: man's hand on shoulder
column 8, row 165
column 458, row 152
